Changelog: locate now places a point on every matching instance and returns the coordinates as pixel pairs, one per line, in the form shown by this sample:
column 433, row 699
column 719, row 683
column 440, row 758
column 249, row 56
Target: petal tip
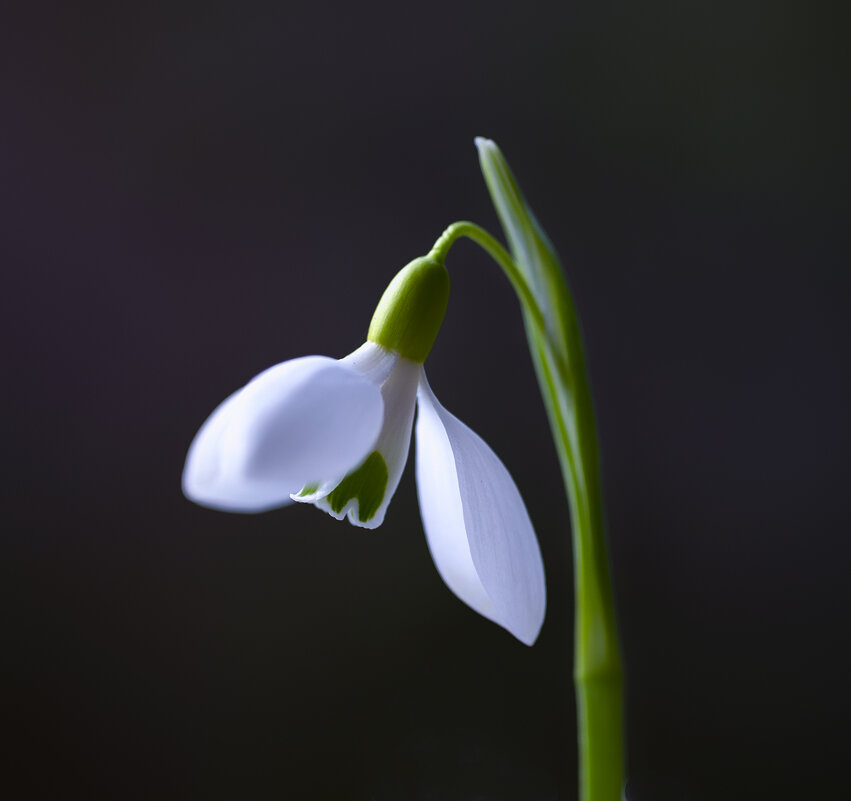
column 530, row 636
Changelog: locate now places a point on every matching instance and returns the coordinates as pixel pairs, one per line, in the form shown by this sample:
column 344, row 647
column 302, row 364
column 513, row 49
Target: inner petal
column 364, row 494
column 367, row 485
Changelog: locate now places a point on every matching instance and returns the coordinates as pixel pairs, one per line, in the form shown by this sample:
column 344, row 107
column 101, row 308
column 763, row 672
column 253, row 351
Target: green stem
column 497, row 252
column 560, row 367
column 597, row 665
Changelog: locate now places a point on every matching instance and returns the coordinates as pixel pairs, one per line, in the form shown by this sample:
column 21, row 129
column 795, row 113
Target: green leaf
column 530, row 247
column 555, row 342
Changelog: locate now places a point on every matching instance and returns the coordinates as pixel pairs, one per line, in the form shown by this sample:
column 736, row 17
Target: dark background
column 192, row 192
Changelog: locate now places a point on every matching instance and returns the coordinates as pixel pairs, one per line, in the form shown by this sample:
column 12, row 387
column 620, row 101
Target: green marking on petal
column 367, row 484
column 308, row 489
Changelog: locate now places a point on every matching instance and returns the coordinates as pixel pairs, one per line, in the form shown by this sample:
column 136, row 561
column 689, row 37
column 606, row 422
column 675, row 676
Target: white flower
column 336, row 434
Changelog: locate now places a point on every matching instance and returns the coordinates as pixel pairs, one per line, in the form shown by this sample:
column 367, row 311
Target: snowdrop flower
column 337, row 433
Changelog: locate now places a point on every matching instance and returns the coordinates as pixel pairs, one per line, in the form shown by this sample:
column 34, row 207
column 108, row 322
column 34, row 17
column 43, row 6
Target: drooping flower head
column 336, row 433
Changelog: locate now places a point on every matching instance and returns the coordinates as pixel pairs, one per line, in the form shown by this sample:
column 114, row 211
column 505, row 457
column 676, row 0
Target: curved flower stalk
column 337, row 434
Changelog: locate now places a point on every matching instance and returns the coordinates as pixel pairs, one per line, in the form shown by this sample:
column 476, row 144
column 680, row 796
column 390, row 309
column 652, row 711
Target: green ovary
column 367, row 485
column 411, row 310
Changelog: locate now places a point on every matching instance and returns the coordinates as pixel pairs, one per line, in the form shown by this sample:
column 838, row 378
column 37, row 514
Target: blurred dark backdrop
column 192, row 192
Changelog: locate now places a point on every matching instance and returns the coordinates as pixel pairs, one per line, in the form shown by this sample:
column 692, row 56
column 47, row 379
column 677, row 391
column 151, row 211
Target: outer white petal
column 477, row 527
column 297, row 422
column 202, row 474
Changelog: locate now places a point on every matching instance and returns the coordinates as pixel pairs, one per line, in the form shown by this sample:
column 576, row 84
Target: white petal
column 399, row 392
column 201, row 475
column 297, row 422
column 477, row 527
